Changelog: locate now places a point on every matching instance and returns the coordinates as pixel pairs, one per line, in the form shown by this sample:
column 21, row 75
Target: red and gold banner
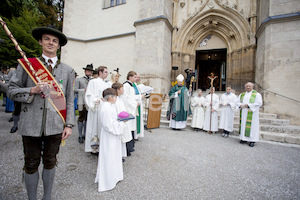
column 42, row 74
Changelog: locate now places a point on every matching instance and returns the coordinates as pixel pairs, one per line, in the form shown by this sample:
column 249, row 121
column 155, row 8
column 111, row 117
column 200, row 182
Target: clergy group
column 212, row 113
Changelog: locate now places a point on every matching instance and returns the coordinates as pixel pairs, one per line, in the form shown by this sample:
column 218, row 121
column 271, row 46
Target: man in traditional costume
column 178, row 109
column 211, row 114
column 79, row 89
column 198, row 103
column 227, row 108
column 93, row 100
column 129, row 100
column 42, row 119
column 249, row 102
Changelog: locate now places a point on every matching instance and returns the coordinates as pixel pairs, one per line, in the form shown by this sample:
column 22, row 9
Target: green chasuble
column 179, row 105
column 249, row 115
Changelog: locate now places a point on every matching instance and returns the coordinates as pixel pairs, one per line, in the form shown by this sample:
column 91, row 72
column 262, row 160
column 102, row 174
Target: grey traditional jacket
column 37, row 114
column 79, row 88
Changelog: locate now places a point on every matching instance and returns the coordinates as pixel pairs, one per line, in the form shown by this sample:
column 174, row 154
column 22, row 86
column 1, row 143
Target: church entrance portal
column 208, row 61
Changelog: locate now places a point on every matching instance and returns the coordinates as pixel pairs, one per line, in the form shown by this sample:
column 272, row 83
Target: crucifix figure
column 212, row 77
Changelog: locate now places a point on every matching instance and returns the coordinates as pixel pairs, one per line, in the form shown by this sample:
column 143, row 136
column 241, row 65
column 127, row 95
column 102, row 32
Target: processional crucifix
column 212, row 77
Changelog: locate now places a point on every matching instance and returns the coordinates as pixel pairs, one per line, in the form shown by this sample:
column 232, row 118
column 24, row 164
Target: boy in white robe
column 198, row 111
column 93, row 99
column 227, row 108
column 214, row 104
column 110, row 169
column 126, row 136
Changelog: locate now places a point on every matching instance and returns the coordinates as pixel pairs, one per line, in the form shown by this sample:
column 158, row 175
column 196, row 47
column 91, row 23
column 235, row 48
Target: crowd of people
column 103, row 124
column 110, row 117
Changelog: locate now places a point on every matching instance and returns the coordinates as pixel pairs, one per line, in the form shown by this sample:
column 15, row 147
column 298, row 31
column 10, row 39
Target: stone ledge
column 281, row 137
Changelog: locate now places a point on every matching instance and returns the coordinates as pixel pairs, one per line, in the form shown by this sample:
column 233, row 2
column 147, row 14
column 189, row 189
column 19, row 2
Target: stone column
column 153, row 44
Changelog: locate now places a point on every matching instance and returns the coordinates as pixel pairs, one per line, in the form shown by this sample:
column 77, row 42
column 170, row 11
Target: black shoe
column 83, row 137
column 242, row 141
column 251, row 144
column 128, row 154
column 10, row 119
column 123, row 160
column 13, row 129
column 80, row 140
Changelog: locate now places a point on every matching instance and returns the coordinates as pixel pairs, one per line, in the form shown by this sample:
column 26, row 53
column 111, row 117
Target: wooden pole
column 212, row 77
column 18, row 48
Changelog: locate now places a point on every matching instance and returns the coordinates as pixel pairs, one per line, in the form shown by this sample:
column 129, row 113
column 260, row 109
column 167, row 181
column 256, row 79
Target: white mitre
column 180, row 77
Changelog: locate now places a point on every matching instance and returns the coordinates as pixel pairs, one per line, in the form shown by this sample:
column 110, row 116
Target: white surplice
column 254, row 107
column 130, row 103
column 93, row 93
column 227, row 109
column 198, row 112
column 214, row 115
column 126, row 135
column 139, row 99
column 110, row 168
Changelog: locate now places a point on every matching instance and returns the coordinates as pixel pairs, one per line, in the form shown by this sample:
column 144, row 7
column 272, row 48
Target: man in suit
column 41, row 126
column 80, row 88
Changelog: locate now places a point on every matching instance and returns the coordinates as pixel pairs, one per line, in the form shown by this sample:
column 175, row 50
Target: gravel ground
column 166, row 164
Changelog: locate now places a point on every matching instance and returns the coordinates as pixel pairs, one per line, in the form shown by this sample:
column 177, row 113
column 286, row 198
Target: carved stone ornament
column 182, row 4
column 211, row 4
column 186, row 59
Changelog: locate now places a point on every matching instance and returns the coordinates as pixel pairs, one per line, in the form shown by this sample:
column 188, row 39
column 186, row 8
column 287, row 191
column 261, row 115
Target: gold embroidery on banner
column 40, row 71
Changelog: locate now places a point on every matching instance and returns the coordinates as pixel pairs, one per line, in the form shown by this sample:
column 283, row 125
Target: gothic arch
column 228, row 24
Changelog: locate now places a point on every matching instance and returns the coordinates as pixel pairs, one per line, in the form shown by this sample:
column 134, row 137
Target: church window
column 111, row 3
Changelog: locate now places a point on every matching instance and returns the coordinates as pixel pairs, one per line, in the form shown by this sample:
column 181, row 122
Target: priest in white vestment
column 249, row 102
column 198, row 111
column 129, row 100
column 227, row 109
column 93, row 99
column 211, row 101
column 110, row 168
column 140, row 97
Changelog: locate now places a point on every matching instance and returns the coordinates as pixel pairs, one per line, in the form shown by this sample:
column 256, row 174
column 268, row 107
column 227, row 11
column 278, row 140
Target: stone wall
column 99, row 35
column 153, row 44
column 278, row 60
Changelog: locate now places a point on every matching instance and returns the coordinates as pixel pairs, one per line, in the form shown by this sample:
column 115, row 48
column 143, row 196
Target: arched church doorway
column 207, row 62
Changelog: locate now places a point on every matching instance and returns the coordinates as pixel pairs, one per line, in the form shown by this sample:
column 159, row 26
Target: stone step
column 267, row 128
column 290, row 138
column 261, row 115
column 277, row 129
column 280, row 137
column 263, row 121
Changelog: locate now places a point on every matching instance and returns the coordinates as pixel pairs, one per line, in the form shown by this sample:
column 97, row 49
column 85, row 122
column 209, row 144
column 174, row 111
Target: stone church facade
column 237, row 40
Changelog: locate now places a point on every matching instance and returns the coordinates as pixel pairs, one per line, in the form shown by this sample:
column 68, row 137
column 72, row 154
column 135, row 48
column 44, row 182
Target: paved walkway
column 167, row 164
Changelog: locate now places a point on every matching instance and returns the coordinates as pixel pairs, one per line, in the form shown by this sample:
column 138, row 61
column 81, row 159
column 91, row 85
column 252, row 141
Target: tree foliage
column 21, row 29
column 21, row 16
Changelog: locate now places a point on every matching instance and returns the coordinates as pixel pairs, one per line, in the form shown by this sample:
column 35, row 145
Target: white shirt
column 54, row 60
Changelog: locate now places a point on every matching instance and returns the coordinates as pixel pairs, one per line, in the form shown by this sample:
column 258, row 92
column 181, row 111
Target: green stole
column 249, row 115
column 138, row 117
